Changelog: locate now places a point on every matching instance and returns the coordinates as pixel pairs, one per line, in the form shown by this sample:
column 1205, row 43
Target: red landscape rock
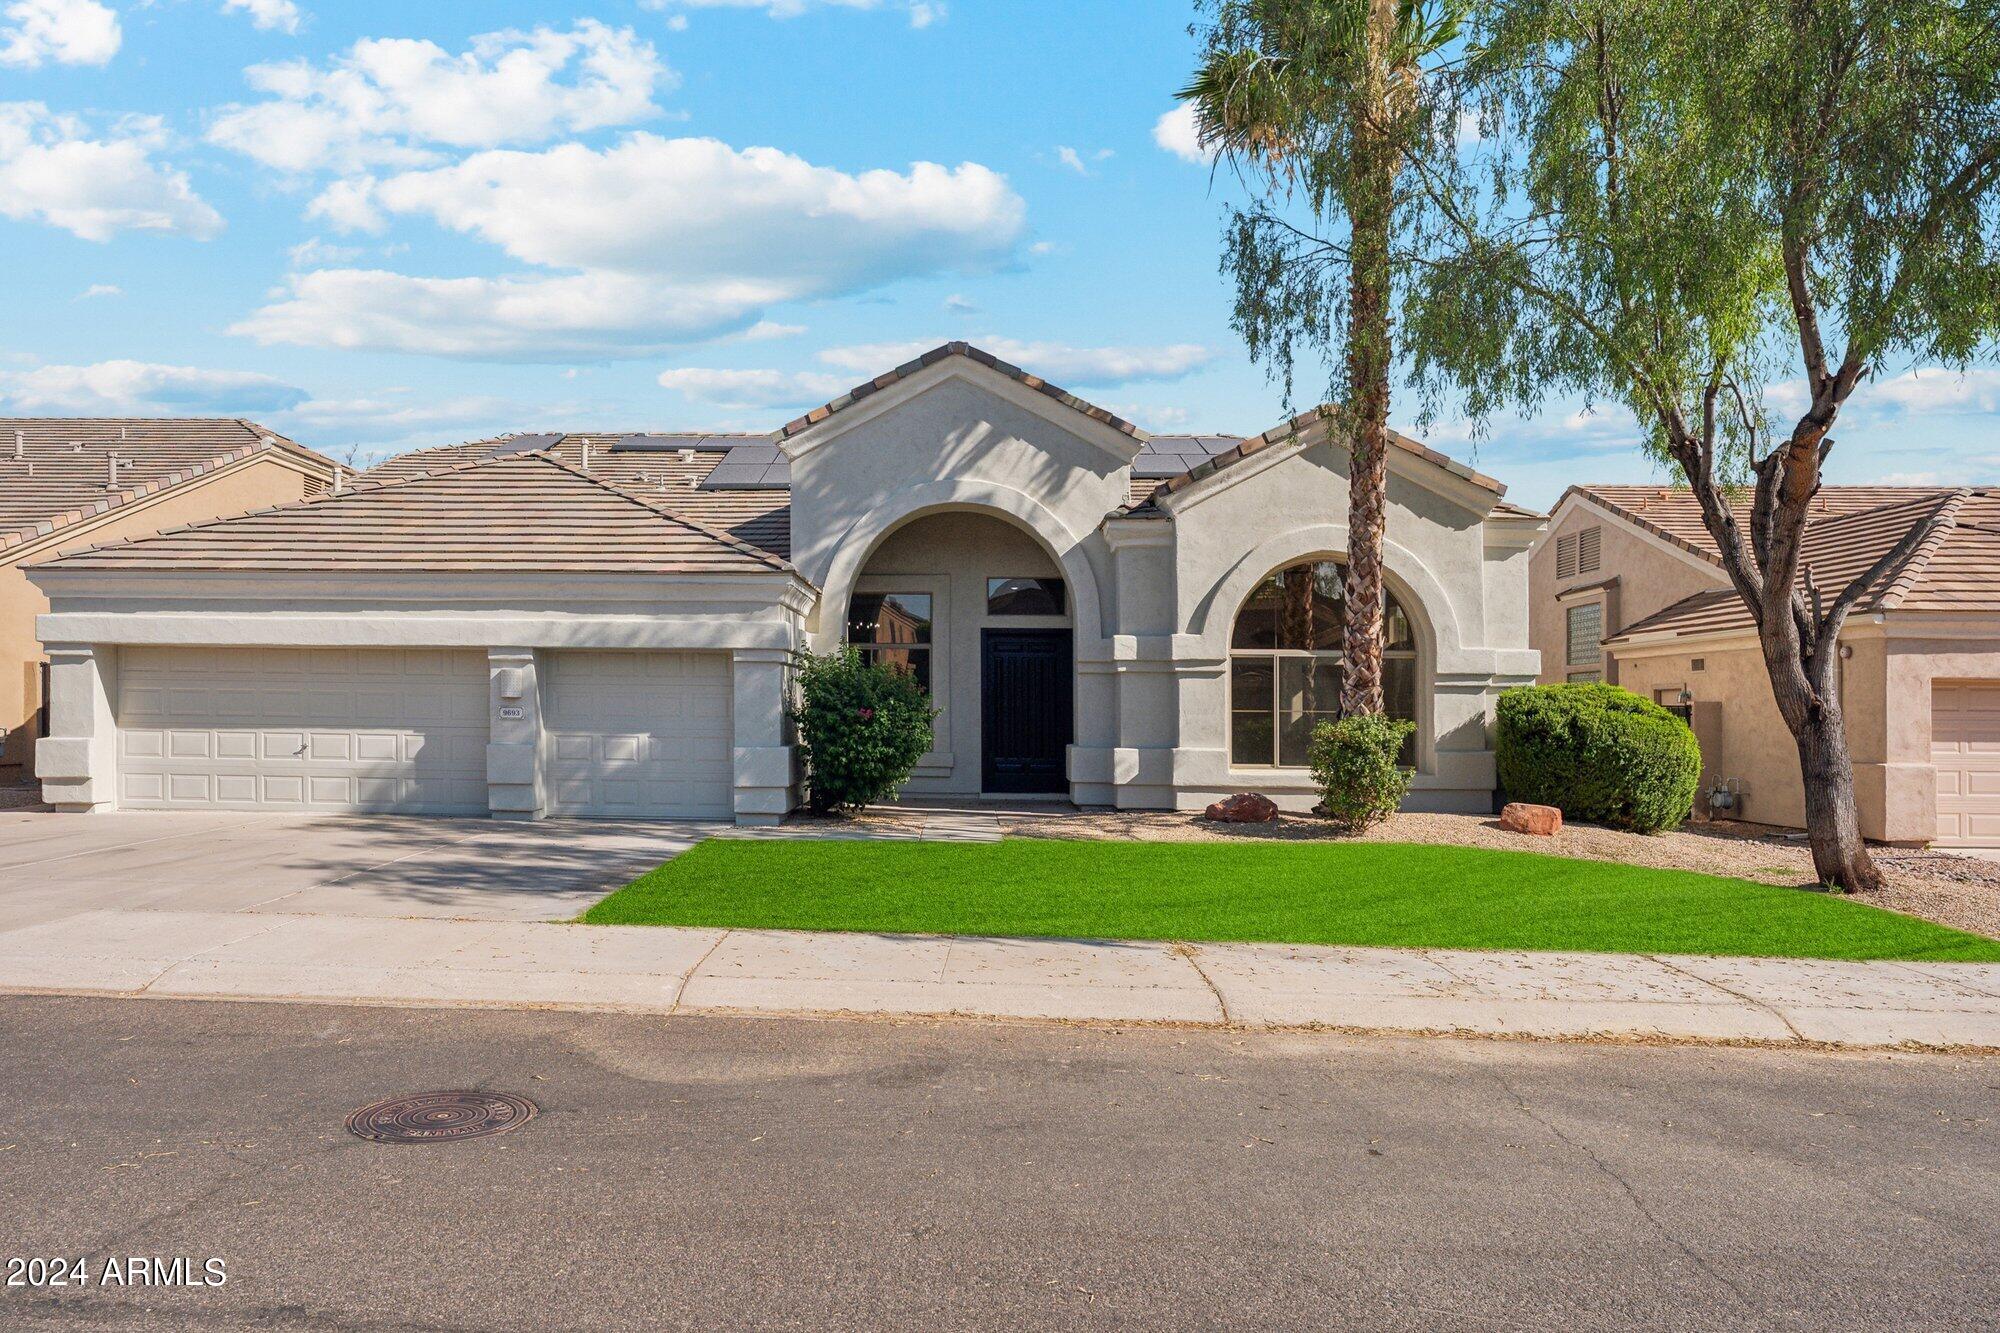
column 1242, row 808
column 1541, row 821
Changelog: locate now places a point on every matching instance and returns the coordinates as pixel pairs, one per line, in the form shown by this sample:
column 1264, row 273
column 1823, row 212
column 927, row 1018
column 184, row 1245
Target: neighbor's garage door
column 639, row 735
column 395, row 731
column 1965, row 746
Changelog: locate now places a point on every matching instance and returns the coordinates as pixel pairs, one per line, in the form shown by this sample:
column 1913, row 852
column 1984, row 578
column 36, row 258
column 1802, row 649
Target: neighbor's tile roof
column 527, row 513
column 1955, row 565
column 970, row 353
column 62, row 476
column 1302, row 423
column 1673, row 514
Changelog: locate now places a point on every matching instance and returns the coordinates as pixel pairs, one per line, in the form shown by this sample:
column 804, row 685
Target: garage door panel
column 1965, row 751
column 640, row 735
column 304, row 729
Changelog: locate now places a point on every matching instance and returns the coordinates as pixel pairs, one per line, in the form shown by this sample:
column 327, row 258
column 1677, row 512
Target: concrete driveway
column 54, row 866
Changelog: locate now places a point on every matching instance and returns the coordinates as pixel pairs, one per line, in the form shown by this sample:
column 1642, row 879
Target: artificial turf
column 1392, row 894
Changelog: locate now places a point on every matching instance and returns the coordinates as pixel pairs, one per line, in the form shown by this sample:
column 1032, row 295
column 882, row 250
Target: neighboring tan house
column 604, row 625
column 71, row 482
column 1627, row 587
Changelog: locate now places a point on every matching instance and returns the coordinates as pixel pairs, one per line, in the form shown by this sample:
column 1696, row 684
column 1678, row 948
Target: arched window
column 1285, row 665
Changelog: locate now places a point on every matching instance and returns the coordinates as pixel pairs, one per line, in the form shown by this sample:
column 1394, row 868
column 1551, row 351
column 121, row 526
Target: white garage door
column 1965, row 746
column 639, row 735
column 380, row 730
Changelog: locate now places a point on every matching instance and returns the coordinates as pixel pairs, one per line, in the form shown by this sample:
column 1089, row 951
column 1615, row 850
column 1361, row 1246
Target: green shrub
column 862, row 728
column 1354, row 761
column 1598, row 753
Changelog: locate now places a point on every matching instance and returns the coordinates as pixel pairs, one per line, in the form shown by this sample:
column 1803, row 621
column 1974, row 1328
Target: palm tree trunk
column 1370, row 206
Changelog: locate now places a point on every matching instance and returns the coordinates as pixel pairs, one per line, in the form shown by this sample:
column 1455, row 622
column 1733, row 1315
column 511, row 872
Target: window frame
column 928, row 647
column 1057, row 581
column 1334, row 657
column 1572, row 664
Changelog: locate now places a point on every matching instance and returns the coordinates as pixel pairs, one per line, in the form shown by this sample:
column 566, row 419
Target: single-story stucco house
column 602, row 625
column 1628, row 587
column 68, row 482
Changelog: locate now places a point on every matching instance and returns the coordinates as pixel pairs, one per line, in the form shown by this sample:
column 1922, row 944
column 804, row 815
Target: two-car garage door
column 404, row 731
column 387, row 730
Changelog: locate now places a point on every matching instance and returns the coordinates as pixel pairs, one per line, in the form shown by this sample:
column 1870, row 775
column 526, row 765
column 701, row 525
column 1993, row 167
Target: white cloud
column 755, row 388
column 921, row 13
column 397, row 414
column 100, row 289
column 1177, row 132
column 960, row 305
column 69, row 32
column 316, row 253
column 1070, row 159
column 700, row 208
column 1934, row 389
column 395, row 101
column 702, row 241
column 54, row 169
column 139, row 388
column 765, row 330
column 267, row 15
column 348, row 206
column 516, row 318
column 1054, row 361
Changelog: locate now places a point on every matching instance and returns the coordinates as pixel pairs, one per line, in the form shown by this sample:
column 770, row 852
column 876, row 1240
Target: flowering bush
column 862, row 728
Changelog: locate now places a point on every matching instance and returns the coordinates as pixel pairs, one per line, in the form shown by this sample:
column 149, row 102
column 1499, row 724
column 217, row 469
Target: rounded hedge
column 1597, row 753
column 862, row 727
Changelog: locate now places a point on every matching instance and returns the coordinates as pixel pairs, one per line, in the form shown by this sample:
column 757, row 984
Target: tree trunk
column 1833, row 827
column 1370, row 204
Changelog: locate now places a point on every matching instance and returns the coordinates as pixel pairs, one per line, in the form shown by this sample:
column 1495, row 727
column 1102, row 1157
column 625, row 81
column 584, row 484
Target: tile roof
column 1302, row 423
column 61, row 475
column 1671, row 512
column 1954, row 567
column 528, row 512
column 970, row 353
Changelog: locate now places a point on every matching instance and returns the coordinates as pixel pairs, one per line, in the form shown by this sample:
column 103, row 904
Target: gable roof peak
column 945, row 352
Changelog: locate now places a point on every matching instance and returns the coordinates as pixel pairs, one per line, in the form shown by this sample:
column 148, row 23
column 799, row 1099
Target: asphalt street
column 718, row 1172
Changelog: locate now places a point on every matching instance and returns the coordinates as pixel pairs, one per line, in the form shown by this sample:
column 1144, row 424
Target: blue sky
column 380, row 226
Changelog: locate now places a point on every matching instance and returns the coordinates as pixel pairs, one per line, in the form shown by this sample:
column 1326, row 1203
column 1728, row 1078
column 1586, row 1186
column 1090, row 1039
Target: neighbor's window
column 1285, row 665
column 1025, row 597
column 1585, row 649
column 893, row 628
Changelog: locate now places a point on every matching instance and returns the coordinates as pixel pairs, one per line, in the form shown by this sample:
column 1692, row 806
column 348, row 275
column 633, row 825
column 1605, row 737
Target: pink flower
column 867, row 715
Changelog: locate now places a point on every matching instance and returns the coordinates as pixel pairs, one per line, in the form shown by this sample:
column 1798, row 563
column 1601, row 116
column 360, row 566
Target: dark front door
column 1029, row 703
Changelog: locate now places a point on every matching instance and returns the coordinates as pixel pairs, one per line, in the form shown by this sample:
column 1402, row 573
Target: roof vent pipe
column 76, row 446
column 687, row 456
column 586, row 455
column 20, row 445
column 339, row 479
column 111, row 471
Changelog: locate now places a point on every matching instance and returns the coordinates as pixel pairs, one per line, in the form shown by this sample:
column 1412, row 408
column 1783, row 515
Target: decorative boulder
column 1541, row 821
column 1243, row 808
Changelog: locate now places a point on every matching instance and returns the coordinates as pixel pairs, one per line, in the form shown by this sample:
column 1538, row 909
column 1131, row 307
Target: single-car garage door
column 399, row 731
column 639, row 735
column 1965, row 747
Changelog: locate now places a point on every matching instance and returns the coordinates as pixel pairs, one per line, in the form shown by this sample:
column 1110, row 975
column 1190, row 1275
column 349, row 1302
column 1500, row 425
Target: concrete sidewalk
column 389, row 960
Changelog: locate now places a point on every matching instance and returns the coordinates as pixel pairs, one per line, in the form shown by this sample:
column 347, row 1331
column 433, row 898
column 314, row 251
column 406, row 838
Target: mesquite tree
column 1319, row 104
column 1683, row 203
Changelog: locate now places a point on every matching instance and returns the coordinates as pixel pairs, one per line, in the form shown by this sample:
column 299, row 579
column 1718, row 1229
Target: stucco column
column 765, row 759
column 78, row 759
column 514, row 787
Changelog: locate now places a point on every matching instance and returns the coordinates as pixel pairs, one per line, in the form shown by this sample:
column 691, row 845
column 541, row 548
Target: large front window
column 894, row 629
column 1285, row 665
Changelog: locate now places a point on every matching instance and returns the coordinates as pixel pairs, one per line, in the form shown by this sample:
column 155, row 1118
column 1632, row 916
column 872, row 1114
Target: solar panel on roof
column 521, row 444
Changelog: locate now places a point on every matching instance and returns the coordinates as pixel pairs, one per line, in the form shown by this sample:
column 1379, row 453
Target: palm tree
column 1323, row 102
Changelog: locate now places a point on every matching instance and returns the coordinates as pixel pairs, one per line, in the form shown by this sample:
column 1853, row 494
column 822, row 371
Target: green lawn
column 1304, row 893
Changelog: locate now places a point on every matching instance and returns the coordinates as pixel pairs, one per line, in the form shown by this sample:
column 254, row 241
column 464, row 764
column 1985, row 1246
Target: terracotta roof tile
column 528, row 513
column 1307, row 421
column 1672, row 513
column 61, row 475
column 1940, row 573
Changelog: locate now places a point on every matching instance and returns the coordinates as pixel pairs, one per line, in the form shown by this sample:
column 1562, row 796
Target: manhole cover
column 440, row 1117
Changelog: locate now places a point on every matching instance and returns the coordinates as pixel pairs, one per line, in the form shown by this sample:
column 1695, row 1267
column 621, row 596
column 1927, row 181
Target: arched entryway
column 983, row 613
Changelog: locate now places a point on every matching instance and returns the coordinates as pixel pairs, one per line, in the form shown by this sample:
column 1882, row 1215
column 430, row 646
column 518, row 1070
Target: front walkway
column 464, row 912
